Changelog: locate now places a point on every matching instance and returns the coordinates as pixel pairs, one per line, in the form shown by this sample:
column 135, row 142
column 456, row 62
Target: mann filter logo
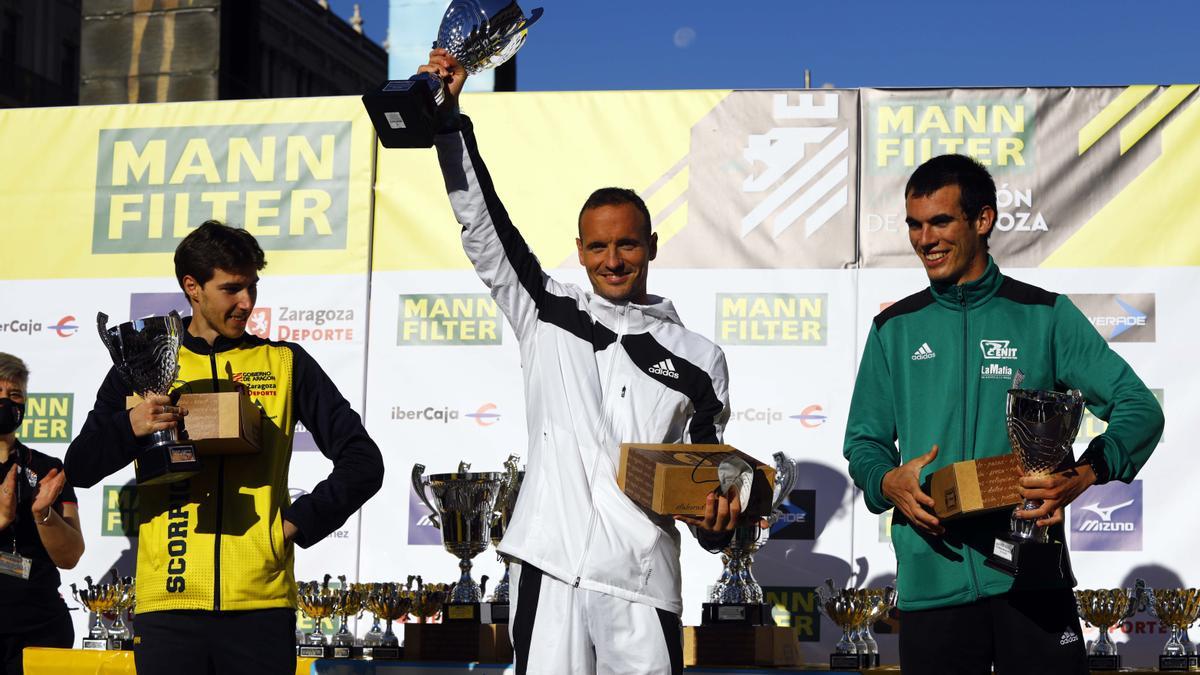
column 1108, row 518
column 798, row 519
column 448, row 319
column 772, row 319
column 997, row 350
column 120, row 511
column 805, row 170
column 420, row 527
column 47, row 418
column 1091, row 426
column 287, row 184
column 1128, row 317
column 903, row 135
column 795, row 607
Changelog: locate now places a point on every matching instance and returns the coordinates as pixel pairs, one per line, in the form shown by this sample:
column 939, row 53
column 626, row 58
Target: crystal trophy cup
column 481, row 34
column 737, row 598
column 464, row 506
column 1178, row 608
column 1041, row 428
column 99, row 599
column 317, row 602
column 146, row 355
column 847, row 608
column 1104, row 609
column 505, row 503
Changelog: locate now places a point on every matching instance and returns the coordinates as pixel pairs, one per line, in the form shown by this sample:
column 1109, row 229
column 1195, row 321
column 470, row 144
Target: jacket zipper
column 962, row 301
column 600, row 427
column 212, row 357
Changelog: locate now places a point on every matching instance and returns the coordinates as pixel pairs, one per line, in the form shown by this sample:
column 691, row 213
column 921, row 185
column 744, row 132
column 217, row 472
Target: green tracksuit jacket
column 936, row 369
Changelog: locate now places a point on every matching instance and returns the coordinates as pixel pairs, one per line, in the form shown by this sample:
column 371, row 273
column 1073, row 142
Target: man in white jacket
column 597, row 585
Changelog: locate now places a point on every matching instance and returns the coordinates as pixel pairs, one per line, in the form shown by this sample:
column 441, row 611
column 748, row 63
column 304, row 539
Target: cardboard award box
column 219, row 423
column 457, row 641
column 975, row 486
column 675, row 478
column 743, row 646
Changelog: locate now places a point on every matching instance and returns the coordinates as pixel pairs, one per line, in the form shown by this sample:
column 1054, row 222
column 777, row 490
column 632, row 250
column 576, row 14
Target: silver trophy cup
column 1041, row 429
column 464, row 509
column 737, row 597
column 505, row 503
column 481, row 34
column 146, row 355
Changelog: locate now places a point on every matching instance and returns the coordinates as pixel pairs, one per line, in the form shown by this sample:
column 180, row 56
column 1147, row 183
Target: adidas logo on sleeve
column 923, row 352
column 664, row 368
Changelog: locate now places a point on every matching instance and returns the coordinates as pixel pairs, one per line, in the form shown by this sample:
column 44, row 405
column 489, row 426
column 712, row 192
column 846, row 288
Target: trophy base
column 749, row 614
column 166, row 464
column 740, row 645
column 457, row 641
column 1104, row 662
column 107, row 644
column 403, row 113
column 1028, row 559
column 1173, row 662
column 500, row 612
column 314, row 651
column 347, row 652
column 383, row 653
column 467, row 612
column 847, row 661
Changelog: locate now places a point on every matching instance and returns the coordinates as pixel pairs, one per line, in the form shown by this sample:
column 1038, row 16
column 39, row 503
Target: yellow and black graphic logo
column 795, row 607
column 1141, row 123
column 448, row 319
column 287, row 184
column 47, row 418
column 772, row 318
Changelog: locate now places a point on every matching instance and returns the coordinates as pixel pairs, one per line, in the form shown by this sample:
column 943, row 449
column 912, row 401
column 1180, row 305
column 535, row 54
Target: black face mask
column 11, row 414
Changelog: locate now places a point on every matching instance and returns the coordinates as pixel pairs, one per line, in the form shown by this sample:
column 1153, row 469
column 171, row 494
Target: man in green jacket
column 933, row 381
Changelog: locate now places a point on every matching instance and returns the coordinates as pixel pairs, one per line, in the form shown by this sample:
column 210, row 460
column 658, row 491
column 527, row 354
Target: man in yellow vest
column 215, row 586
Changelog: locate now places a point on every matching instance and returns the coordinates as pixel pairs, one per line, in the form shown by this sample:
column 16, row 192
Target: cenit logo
column 448, row 319
column 1108, row 518
column 794, row 319
column 484, row 417
column 811, row 417
column 997, row 349
column 65, row 327
column 1128, row 317
column 287, row 184
column 47, row 418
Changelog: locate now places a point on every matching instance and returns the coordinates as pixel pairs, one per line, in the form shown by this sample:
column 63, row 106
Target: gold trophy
column 318, row 603
column 1104, row 609
column 349, row 604
column 389, row 602
column 1178, row 608
column 99, row 599
column 428, row 600
column 847, row 608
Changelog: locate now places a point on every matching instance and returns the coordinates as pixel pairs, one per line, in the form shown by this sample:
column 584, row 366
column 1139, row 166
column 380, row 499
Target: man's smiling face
column 951, row 247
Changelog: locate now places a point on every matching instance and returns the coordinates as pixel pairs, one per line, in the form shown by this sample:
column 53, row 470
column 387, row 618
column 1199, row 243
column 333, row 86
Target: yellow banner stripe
column 1153, row 114
column 1113, row 112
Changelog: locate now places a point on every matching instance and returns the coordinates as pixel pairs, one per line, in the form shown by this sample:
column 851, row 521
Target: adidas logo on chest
column 923, row 353
column 664, row 368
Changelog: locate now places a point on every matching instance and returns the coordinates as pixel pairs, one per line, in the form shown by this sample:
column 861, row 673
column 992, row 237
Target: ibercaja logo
column 287, row 184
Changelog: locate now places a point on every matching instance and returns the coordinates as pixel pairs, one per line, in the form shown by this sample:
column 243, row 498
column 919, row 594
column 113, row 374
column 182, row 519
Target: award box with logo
column 676, row 478
column 975, row 486
column 220, row 423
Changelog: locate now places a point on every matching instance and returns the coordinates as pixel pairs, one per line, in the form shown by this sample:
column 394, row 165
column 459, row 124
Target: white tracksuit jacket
column 596, row 374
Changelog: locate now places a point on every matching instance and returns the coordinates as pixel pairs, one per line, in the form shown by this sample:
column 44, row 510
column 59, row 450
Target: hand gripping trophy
column 146, row 354
column 481, row 34
column 737, row 597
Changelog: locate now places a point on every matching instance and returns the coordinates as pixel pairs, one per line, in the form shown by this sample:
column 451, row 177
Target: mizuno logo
column 923, row 352
column 1105, row 513
column 664, row 368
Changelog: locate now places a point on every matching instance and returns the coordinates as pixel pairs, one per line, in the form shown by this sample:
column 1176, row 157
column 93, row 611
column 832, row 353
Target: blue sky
column 709, row 44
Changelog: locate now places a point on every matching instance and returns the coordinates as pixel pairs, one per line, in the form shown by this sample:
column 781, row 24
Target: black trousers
column 57, row 633
column 257, row 642
column 1020, row 633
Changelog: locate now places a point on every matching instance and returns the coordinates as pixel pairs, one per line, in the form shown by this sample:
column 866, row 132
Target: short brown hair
column 13, row 369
